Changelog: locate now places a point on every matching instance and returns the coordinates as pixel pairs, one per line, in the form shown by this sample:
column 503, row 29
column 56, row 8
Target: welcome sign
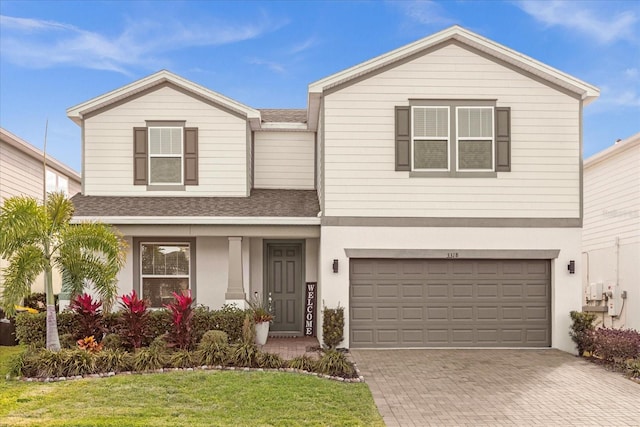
column 310, row 309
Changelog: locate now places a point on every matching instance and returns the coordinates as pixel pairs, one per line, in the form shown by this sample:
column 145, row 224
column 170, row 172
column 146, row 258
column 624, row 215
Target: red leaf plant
column 134, row 319
column 181, row 309
column 89, row 316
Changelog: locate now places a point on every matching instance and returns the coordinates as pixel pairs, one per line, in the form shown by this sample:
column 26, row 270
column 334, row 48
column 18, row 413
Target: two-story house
column 434, row 192
column 25, row 172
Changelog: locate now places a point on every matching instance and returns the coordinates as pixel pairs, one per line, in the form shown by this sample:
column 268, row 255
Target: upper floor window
column 165, row 155
column 55, row 182
column 475, row 145
column 452, row 138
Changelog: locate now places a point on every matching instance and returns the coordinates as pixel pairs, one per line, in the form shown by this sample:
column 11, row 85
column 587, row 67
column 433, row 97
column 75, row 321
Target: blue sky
column 54, row 55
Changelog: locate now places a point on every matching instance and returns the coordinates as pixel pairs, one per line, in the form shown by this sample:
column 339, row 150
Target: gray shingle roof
column 261, row 203
column 289, row 115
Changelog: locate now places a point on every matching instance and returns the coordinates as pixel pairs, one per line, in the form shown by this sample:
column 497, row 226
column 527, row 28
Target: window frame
column 414, row 138
column 56, row 182
column 170, row 156
column 142, row 276
column 472, row 138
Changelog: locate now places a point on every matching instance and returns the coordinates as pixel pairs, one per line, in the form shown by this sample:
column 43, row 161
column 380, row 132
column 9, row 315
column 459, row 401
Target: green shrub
column 215, row 337
column 113, row 360
column 68, row 341
column 112, row 322
column 269, row 360
column 582, row 330
column 112, row 342
column 158, row 323
column 16, row 364
column 47, row 363
column 633, row 368
column 201, row 322
column 183, row 359
column 333, row 326
column 38, row 301
column 228, row 319
column 213, row 349
column 335, row 363
column 159, row 343
column 31, row 328
column 244, row 354
column 147, row 359
column 304, row 363
column 77, row 362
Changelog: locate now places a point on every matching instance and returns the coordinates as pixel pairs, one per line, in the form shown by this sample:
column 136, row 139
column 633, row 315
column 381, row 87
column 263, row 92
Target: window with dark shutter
column 503, row 139
column 140, row 159
column 403, row 138
column 190, row 156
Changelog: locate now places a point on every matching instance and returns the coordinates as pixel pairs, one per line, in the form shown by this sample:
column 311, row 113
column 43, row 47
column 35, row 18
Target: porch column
column 235, row 290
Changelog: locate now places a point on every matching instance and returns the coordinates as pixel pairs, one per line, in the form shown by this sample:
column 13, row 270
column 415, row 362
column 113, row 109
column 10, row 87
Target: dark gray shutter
column 403, row 138
column 140, row 156
column 190, row 156
column 503, row 139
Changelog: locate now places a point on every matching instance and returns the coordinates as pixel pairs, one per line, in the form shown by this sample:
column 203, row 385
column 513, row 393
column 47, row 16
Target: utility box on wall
column 595, row 291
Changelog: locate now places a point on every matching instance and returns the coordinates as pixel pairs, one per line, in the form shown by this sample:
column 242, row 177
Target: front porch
column 291, row 347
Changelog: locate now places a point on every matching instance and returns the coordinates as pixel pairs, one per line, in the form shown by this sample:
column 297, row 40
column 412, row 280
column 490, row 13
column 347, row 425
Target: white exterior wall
column 284, row 160
column 20, row 174
column 565, row 287
column 360, row 176
column 222, row 145
column 611, row 233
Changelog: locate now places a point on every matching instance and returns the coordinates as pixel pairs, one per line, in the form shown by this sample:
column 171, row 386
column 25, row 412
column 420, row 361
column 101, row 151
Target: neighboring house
column 434, row 192
column 611, row 234
column 22, row 173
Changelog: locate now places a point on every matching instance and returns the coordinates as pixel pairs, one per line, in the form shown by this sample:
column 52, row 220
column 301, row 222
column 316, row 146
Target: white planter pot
column 262, row 332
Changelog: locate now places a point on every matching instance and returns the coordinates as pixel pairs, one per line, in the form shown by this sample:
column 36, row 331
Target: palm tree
column 37, row 238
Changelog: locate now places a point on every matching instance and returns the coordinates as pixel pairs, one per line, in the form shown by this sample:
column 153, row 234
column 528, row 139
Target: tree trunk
column 53, row 341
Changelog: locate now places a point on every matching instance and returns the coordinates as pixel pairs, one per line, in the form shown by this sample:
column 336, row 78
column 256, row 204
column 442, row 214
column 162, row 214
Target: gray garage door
column 450, row 303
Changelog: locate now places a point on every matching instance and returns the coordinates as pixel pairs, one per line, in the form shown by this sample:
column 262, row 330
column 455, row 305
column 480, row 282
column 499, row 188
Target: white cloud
column 302, row 46
column 631, row 73
column 426, row 12
column 272, row 65
column 577, row 16
column 43, row 44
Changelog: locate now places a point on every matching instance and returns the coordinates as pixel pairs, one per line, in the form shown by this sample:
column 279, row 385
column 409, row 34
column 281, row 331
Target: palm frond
column 59, row 210
column 24, row 266
column 23, row 222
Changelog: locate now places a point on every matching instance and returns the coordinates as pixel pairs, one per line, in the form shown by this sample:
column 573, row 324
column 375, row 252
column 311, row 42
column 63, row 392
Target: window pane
column 165, row 260
column 431, row 122
column 165, row 170
column 475, row 122
column 165, row 141
column 63, row 185
column 475, row 155
column 430, row 155
column 158, row 291
column 50, row 182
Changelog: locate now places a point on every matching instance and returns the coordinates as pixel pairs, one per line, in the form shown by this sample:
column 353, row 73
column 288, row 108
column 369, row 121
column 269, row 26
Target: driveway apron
column 496, row 388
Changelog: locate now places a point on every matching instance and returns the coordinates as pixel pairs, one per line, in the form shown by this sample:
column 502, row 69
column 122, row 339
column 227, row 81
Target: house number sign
column 310, row 309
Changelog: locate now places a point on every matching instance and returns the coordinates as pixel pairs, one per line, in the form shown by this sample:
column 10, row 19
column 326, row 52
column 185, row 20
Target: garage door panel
column 440, row 303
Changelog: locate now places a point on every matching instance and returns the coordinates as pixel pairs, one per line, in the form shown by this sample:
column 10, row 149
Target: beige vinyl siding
column 222, row 143
column 284, row 160
column 20, row 174
column 360, row 179
column 612, row 200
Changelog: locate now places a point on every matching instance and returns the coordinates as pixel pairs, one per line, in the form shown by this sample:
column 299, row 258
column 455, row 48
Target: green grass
column 203, row 398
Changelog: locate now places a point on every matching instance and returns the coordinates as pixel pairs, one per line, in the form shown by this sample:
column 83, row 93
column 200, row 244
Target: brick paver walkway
column 289, row 348
column 496, row 388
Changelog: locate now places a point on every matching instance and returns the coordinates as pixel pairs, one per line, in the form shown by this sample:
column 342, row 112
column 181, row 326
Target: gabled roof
column 77, row 112
column 587, row 92
column 619, row 147
column 31, row 151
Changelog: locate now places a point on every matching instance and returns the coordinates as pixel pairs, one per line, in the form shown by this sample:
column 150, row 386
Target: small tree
column 38, row 238
column 333, row 326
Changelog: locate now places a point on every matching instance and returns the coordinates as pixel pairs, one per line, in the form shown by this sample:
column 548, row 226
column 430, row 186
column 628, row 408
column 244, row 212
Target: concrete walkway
column 496, row 388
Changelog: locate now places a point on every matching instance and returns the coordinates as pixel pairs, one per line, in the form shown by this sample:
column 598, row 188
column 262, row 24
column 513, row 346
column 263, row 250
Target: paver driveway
column 496, row 388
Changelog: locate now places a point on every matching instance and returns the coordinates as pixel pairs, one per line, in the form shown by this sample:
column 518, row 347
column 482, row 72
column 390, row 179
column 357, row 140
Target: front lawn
column 206, row 398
